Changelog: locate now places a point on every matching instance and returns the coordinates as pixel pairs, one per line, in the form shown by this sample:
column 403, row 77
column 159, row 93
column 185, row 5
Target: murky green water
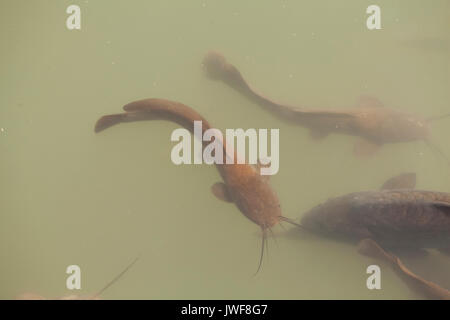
column 69, row 196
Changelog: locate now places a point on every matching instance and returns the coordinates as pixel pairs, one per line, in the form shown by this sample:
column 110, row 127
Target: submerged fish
column 427, row 288
column 396, row 216
column 242, row 184
column 369, row 120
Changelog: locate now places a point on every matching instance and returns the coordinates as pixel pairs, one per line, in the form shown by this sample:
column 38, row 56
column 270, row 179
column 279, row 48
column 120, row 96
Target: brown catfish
column 400, row 217
column 96, row 296
column 242, row 183
column 429, row 289
column 375, row 124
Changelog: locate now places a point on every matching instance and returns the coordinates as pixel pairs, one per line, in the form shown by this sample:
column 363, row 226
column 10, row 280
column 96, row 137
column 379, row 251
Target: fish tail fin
column 108, row 121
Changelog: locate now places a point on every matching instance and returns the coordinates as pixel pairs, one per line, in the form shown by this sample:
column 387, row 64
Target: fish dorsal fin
column 220, row 190
column 370, row 248
column 405, row 180
column 369, row 101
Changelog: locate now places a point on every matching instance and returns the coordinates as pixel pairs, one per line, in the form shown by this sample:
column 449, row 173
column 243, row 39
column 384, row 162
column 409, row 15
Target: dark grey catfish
column 396, row 216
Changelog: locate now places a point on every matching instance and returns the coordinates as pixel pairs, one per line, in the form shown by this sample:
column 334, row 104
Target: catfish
column 242, row 183
column 369, row 120
column 397, row 216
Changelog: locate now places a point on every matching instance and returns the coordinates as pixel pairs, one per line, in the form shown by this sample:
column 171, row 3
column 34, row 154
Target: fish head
column 401, row 127
column 315, row 219
column 329, row 217
column 409, row 127
column 257, row 200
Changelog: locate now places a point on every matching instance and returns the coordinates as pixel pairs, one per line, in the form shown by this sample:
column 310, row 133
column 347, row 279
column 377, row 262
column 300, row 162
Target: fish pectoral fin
column 370, row 248
column 442, row 206
column 368, row 101
column 365, row 148
column 429, row 289
column 220, row 190
column 405, row 180
column 411, row 253
column 317, row 134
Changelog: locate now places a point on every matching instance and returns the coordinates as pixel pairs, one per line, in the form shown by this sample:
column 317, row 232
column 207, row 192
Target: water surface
column 69, row 196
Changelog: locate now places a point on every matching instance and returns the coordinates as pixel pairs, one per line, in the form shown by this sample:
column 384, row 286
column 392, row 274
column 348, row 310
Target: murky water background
column 69, row 196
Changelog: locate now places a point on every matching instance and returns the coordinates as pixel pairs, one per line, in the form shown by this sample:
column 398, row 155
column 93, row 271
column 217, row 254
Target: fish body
column 369, row 119
column 393, row 218
column 242, row 184
column 252, row 194
column 375, row 124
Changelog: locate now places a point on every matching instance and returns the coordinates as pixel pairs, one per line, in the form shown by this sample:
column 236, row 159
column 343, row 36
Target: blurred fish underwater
column 426, row 288
column 397, row 217
column 243, row 183
column 369, row 120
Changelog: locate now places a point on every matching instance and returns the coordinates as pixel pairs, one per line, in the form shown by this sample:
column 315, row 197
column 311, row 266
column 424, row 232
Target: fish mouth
column 309, row 222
